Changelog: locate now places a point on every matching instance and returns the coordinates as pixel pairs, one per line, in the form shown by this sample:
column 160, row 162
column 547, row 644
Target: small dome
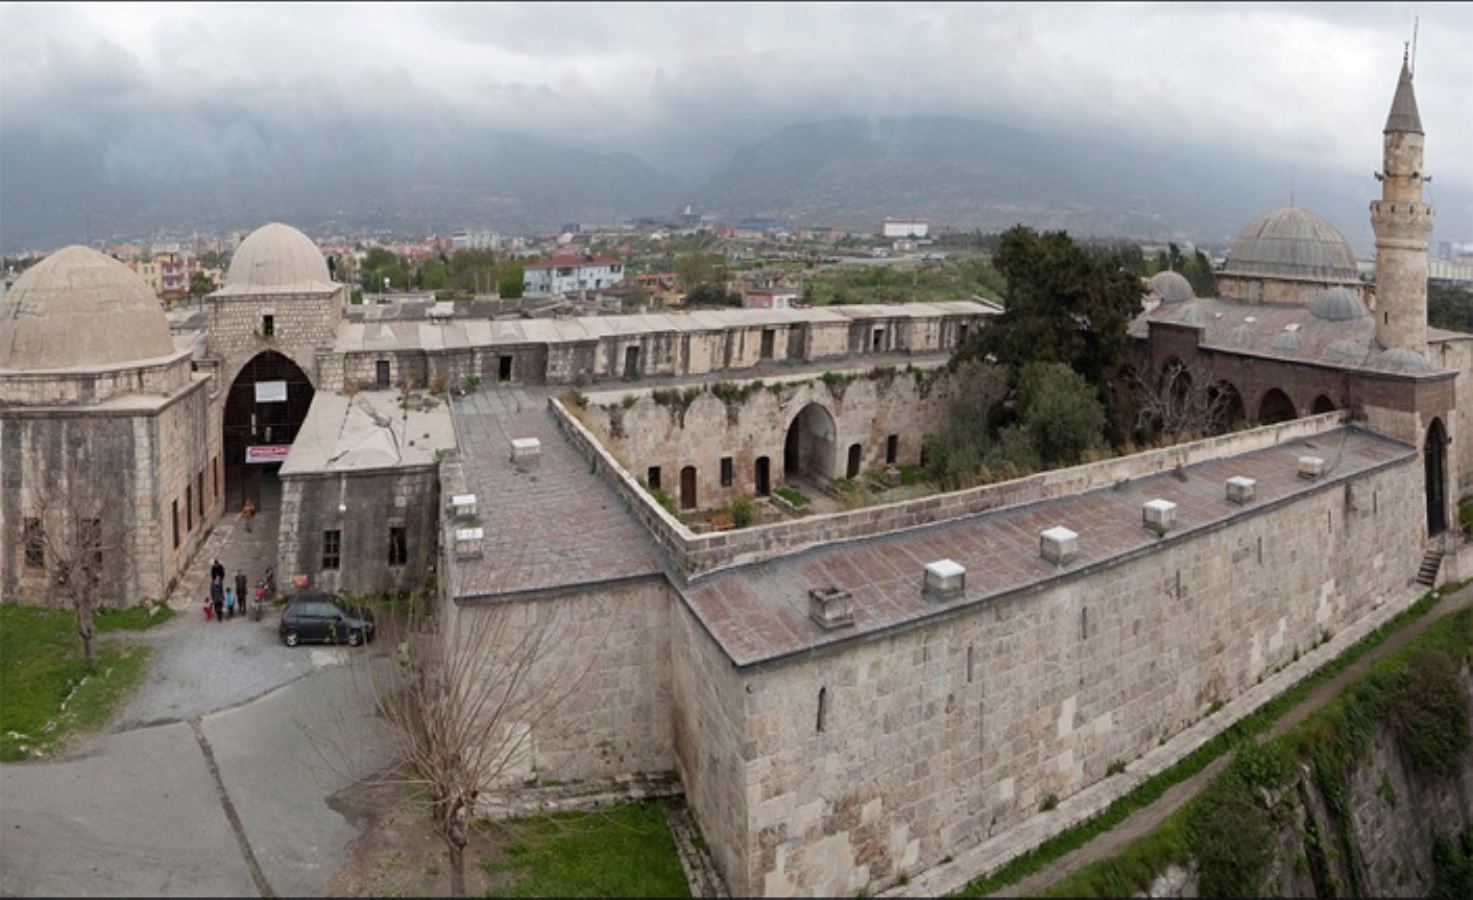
column 1399, row 359
column 1241, row 336
column 1292, row 243
column 1338, row 304
column 1171, row 287
column 277, row 256
column 1346, row 350
column 1285, row 341
column 1191, row 314
column 80, row 309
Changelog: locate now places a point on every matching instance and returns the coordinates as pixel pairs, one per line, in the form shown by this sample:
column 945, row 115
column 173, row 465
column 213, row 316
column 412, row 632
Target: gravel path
column 1146, row 820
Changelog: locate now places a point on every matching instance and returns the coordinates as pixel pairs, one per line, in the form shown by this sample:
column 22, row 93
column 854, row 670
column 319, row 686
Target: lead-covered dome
column 80, row 309
column 1292, row 243
column 277, row 257
column 1171, row 287
column 1337, row 304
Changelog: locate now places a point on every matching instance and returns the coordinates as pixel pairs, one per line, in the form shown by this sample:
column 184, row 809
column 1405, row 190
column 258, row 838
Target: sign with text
column 267, row 453
column 271, row 392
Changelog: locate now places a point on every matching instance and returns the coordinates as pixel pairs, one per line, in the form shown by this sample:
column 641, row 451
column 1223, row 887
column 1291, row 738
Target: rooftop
column 760, row 613
column 368, row 430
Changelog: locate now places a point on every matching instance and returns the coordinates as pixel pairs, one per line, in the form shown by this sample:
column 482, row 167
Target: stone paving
column 230, row 543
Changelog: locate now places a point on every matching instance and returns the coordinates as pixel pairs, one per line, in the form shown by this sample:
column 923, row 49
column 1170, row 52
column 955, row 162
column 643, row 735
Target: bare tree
column 80, row 535
column 465, row 694
column 1181, row 401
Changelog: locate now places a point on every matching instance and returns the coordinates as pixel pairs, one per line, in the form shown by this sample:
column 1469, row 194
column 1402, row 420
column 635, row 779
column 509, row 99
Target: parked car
column 324, row 618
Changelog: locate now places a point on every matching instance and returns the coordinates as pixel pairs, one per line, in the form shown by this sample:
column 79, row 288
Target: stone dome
column 1292, row 243
column 1191, row 314
column 1399, row 359
column 1346, row 350
column 1285, row 341
column 277, row 256
column 1172, row 287
column 1338, row 304
column 80, row 309
column 1241, row 336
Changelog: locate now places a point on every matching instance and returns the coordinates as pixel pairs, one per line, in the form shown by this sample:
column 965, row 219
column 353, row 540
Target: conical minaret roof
column 1404, row 116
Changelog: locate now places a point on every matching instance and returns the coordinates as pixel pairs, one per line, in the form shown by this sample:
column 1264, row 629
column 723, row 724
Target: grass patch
column 1465, row 517
column 618, row 851
column 792, row 495
column 1152, row 788
column 1227, row 832
column 46, row 693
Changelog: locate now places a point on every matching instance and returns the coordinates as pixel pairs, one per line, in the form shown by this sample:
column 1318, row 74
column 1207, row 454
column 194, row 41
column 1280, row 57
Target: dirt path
column 1144, row 821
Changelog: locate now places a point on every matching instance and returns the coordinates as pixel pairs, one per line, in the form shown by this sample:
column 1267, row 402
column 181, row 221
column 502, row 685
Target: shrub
column 742, row 511
column 1049, row 802
column 1061, row 411
column 1116, row 767
column 1428, row 714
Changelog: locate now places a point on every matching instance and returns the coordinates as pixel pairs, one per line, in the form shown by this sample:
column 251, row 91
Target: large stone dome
column 277, row 257
column 1292, row 243
column 78, row 308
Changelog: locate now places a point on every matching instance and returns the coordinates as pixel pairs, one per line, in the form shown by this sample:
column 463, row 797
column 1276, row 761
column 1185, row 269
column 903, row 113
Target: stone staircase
column 1431, row 564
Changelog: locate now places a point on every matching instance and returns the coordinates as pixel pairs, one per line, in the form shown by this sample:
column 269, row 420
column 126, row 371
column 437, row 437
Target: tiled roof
column 760, row 612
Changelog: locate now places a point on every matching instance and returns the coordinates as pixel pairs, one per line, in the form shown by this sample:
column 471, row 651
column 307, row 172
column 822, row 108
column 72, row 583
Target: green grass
column 41, row 665
column 1152, row 788
column 619, row 851
column 1330, row 741
column 1465, row 516
column 793, row 496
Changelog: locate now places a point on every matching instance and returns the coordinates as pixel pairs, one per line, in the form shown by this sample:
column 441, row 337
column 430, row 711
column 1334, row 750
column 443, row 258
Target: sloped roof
column 1404, row 116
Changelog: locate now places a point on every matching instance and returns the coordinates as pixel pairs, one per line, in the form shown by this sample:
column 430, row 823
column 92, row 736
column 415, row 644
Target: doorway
column 855, row 452
column 503, row 369
column 264, row 409
column 1434, row 456
column 631, row 363
column 810, row 448
column 688, row 487
column 764, row 476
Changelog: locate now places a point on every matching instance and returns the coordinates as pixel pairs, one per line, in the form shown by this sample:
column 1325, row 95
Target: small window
column 892, row 449
column 188, row 508
column 398, row 547
column 199, row 494
column 971, row 664
column 726, row 471
column 215, row 474
column 35, row 545
column 961, row 334
column 823, row 709
column 175, row 507
column 381, row 371
column 268, row 325
column 653, row 479
column 332, row 543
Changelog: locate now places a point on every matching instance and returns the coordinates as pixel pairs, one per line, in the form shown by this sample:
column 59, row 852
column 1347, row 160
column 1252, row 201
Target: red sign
column 267, row 453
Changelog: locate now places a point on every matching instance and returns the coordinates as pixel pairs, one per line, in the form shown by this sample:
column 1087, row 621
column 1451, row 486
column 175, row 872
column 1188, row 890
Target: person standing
column 248, row 512
column 229, row 603
column 241, row 586
column 217, row 597
column 217, row 571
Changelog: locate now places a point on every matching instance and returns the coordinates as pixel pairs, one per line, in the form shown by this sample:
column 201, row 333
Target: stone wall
column 946, row 733
column 302, row 323
column 606, row 658
column 375, row 501
column 1251, row 289
column 1458, row 354
column 185, row 447
column 82, row 387
column 672, row 436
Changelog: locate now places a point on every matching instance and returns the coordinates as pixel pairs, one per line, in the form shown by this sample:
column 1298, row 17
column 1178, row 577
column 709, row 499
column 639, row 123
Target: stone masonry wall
column 376, row 501
column 185, row 447
column 1459, row 355
column 302, row 323
column 944, row 734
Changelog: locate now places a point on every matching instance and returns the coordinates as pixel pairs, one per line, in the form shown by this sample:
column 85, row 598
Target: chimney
column 1311, row 467
column 945, row 580
column 463, row 507
column 1240, row 490
column 525, row 452
column 1058, row 545
column 468, row 542
column 831, row 607
column 1159, row 515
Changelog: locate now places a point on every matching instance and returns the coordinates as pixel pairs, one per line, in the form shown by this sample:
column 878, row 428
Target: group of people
column 226, row 601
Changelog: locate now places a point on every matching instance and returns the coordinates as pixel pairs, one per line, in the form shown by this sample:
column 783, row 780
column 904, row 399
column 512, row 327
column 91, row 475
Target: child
column 209, row 614
column 230, row 603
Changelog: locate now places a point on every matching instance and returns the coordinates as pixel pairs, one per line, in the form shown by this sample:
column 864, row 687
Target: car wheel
column 291, row 638
column 355, row 637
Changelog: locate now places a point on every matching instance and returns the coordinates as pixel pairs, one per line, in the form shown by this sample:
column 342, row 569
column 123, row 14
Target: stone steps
column 1431, row 563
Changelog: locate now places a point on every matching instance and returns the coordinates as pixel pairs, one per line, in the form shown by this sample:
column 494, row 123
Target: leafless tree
column 465, row 692
column 80, row 535
column 1181, row 401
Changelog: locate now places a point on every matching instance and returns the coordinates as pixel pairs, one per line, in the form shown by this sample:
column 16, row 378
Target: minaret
column 1402, row 223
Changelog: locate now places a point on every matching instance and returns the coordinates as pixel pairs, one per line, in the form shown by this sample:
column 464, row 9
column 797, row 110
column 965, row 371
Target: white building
column 907, row 228
column 569, row 274
column 475, row 240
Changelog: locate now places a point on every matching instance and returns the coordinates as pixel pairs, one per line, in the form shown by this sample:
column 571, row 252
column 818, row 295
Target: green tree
column 511, row 281
column 1450, row 307
column 692, row 269
column 433, row 276
column 200, row 284
column 957, row 452
column 473, row 270
column 1061, row 411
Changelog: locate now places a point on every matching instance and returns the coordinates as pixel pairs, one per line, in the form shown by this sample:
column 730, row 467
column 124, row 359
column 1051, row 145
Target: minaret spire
column 1402, row 223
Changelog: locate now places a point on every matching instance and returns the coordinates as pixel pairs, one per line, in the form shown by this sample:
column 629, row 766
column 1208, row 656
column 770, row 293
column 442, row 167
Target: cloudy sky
column 192, row 86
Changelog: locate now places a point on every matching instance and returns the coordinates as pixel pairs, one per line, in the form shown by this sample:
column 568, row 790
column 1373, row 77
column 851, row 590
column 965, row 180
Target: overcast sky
column 1306, row 85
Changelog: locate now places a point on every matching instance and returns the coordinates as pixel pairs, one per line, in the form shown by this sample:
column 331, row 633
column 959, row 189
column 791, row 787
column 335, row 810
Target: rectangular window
column 653, row 478
column 332, row 542
column 726, row 471
column 268, row 326
column 892, row 449
column 175, row 507
column 188, row 508
column 398, row 547
column 35, row 545
column 199, row 493
column 382, row 372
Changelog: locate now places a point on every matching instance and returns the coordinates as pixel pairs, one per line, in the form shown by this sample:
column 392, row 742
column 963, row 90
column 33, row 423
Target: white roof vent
column 443, row 309
column 1311, row 467
column 1159, row 515
column 463, row 505
column 1058, row 545
column 945, row 580
column 468, row 542
column 1240, row 490
column 525, row 451
column 831, row 607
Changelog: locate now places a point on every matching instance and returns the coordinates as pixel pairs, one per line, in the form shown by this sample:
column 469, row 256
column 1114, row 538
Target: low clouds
column 208, row 90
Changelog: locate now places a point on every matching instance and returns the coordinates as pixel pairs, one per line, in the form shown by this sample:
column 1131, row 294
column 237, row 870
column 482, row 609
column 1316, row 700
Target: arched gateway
column 265, row 407
column 1434, row 456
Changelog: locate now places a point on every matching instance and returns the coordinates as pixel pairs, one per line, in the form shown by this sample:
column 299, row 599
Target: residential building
column 567, row 273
